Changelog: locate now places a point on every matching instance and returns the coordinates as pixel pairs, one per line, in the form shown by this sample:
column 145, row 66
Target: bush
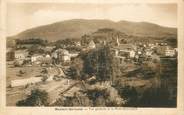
column 130, row 95
column 21, row 72
column 75, row 101
column 36, row 98
column 44, row 78
column 156, row 97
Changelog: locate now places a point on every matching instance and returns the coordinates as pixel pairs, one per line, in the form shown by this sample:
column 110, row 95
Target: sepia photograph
column 91, row 55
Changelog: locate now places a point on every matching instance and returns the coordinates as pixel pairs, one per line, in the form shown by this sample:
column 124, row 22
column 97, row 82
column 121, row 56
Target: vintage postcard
column 81, row 57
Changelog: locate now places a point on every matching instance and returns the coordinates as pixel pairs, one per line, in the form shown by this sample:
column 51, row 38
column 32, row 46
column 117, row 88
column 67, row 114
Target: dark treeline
column 31, row 41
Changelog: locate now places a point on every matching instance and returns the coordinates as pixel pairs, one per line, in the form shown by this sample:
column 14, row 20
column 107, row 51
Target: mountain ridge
column 75, row 28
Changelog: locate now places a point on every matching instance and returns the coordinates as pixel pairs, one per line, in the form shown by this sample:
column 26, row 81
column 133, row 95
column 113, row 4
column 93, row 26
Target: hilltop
column 76, row 28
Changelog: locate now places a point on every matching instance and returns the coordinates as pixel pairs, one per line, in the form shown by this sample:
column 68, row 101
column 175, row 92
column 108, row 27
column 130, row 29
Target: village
column 49, row 67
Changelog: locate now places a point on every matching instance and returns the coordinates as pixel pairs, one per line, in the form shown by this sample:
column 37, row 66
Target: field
column 53, row 88
column 15, row 94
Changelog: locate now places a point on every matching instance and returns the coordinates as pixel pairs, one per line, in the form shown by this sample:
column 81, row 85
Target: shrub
column 130, row 95
column 36, row 98
column 44, row 78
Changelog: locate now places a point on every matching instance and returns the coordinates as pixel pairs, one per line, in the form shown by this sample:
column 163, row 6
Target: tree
column 77, row 68
column 64, row 43
column 130, row 95
column 18, row 63
column 156, row 97
column 35, row 49
column 85, row 40
column 72, row 72
column 44, row 78
column 36, row 98
column 37, row 41
column 44, row 71
column 101, row 63
column 21, row 72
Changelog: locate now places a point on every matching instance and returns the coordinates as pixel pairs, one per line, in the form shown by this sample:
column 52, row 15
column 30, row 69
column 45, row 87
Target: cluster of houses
column 142, row 51
column 53, row 56
column 121, row 51
column 56, row 56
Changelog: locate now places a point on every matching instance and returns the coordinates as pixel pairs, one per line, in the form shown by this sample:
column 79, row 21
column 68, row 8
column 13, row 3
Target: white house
column 74, row 54
column 47, row 56
column 66, row 58
column 149, row 52
column 22, row 82
column 36, row 57
column 132, row 54
column 21, row 54
column 49, row 48
column 61, row 55
column 77, row 43
column 54, row 55
column 139, row 52
column 125, row 50
column 91, row 45
column 170, row 52
column 46, row 59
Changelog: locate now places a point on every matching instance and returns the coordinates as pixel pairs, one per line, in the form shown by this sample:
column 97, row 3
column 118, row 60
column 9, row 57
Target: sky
column 22, row 16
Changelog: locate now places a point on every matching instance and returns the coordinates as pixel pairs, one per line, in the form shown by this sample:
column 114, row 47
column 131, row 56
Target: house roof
column 91, row 43
column 21, row 51
column 34, row 55
column 62, row 51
